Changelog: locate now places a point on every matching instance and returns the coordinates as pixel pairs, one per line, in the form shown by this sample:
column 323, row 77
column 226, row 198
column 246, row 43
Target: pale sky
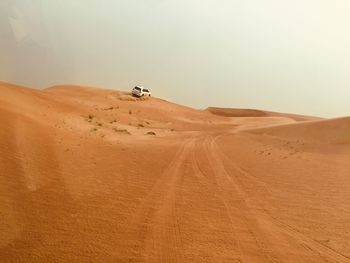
column 280, row 55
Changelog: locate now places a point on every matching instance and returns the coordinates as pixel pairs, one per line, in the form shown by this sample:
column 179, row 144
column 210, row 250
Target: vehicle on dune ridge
column 140, row 91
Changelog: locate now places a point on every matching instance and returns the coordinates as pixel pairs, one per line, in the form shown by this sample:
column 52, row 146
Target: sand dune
column 326, row 131
column 82, row 180
column 228, row 112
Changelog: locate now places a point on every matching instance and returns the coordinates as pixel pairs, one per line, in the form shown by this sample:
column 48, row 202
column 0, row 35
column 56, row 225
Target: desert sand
column 95, row 175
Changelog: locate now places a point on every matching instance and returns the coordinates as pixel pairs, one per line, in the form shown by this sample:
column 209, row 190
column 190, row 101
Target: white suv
column 141, row 91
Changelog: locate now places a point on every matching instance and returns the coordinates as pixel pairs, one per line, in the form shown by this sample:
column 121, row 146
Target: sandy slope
column 228, row 112
column 331, row 131
column 80, row 181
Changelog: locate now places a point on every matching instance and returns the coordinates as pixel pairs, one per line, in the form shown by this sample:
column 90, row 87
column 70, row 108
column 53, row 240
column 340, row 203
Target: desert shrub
column 141, row 125
column 150, row 133
column 124, row 131
column 89, row 118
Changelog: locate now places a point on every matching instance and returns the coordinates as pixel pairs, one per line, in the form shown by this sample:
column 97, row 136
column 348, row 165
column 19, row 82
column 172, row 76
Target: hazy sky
column 281, row 55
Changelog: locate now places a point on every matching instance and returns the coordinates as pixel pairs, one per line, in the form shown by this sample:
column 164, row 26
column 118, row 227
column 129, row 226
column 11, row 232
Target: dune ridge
column 230, row 112
column 326, row 131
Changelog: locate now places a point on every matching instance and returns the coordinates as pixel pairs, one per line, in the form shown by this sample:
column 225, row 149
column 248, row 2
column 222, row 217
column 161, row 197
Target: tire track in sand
column 153, row 232
column 326, row 253
column 251, row 248
column 210, row 181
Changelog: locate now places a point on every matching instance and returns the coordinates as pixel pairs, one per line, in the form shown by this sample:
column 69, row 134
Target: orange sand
column 80, row 181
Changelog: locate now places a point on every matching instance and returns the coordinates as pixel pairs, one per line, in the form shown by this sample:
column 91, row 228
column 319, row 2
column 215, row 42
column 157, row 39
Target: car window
column 145, row 90
column 137, row 88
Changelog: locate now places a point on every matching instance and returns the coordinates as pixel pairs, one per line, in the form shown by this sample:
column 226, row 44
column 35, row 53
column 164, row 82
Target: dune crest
column 229, row 112
column 325, row 131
